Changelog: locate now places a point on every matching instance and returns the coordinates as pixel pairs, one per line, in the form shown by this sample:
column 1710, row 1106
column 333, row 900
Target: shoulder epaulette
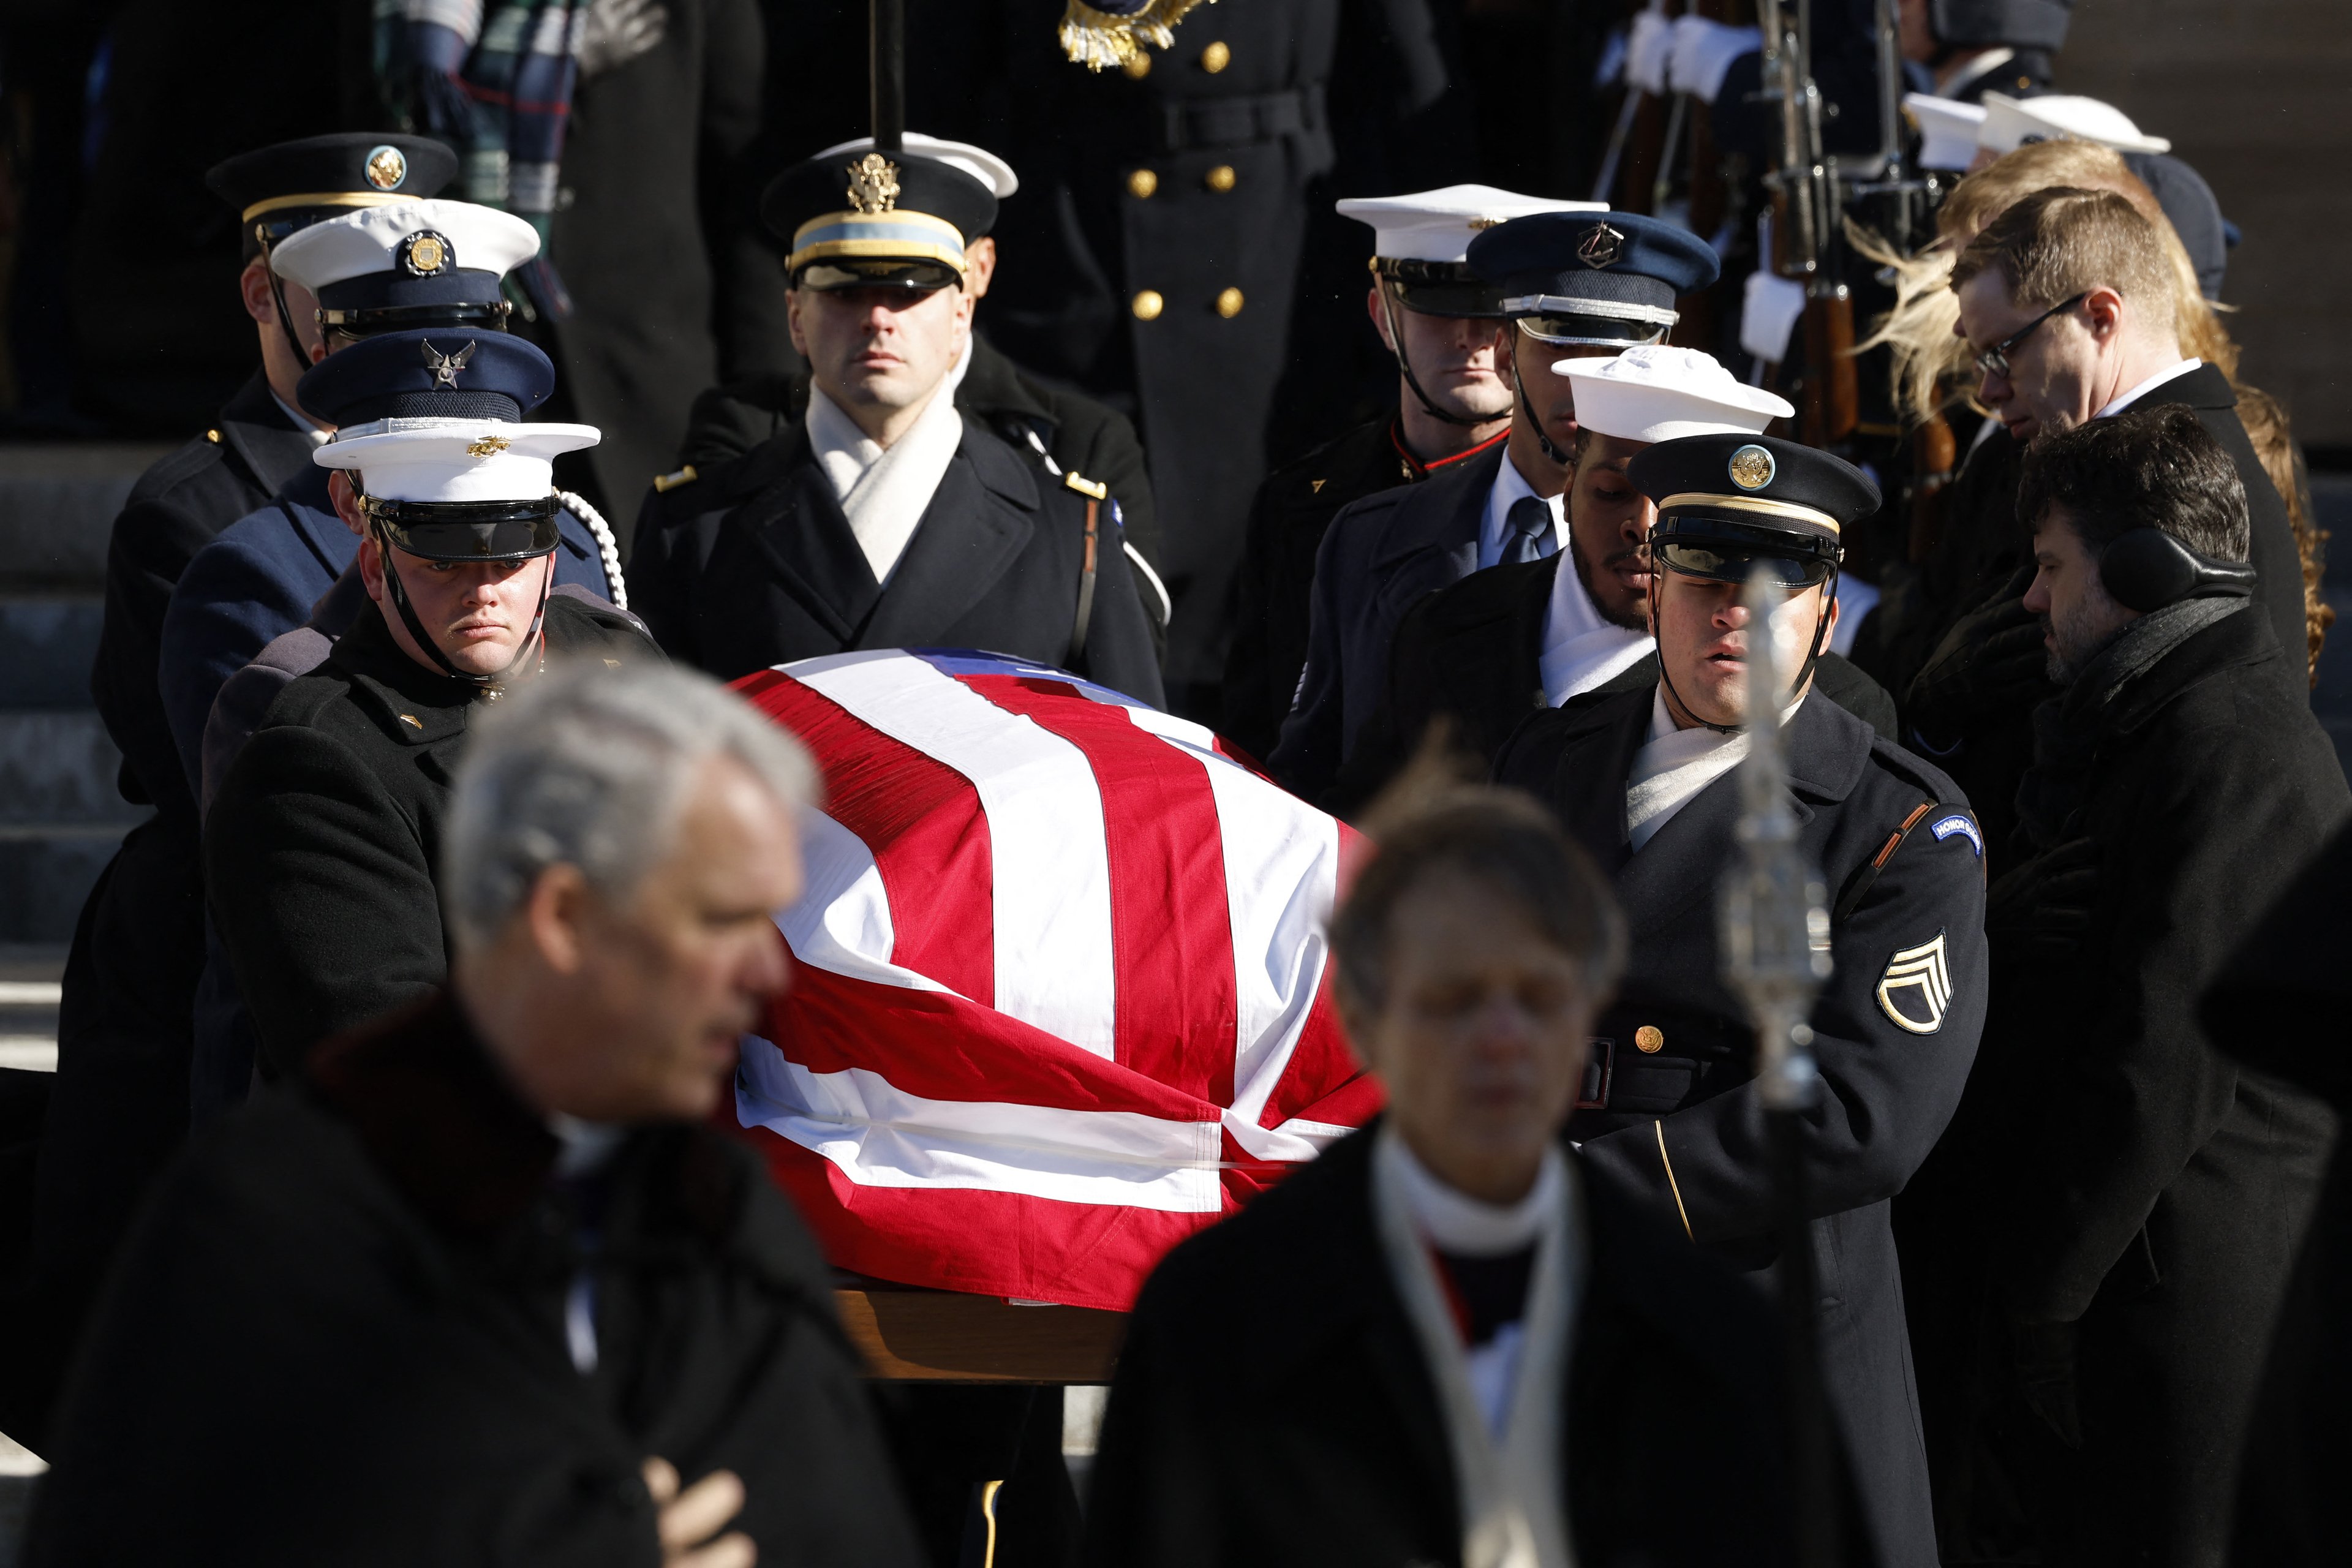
column 1085, row 486
column 664, row 483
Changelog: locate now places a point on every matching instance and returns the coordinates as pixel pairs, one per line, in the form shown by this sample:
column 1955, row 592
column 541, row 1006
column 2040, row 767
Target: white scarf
column 885, row 492
column 1669, row 773
column 1513, row 1511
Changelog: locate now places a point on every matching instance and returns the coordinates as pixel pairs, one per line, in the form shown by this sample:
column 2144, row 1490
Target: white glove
column 1703, row 54
column 1647, row 52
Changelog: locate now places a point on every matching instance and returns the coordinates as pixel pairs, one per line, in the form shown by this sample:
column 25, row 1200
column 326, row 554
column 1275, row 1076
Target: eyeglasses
column 1994, row 360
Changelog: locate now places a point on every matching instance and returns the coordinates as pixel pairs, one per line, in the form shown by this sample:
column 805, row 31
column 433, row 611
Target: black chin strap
column 1404, row 364
column 1804, row 671
column 533, row 643
column 285, row 316
column 1520, row 387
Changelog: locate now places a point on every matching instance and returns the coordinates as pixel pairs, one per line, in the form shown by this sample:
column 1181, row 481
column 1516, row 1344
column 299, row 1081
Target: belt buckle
column 1598, row 1068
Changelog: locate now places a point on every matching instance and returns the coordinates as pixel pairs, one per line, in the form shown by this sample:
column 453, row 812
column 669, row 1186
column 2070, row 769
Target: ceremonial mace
column 887, row 54
column 1776, row 954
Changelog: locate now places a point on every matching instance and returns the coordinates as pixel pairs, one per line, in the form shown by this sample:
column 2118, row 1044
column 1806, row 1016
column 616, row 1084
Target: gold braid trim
column 1659, row 1126
column 1095, row 39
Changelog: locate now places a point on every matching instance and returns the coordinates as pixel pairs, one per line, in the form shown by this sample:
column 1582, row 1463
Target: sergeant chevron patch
column 1917, row 987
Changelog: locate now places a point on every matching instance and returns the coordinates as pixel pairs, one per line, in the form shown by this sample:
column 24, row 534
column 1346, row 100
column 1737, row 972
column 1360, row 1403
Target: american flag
column 1059, row 996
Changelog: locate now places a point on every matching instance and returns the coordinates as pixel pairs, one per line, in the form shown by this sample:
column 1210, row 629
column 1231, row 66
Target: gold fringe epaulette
column 1095, row 39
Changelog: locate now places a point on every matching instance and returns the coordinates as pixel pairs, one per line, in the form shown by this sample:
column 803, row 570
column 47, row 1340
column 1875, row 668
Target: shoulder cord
column 1086, row 587
column 1858, row 882
column 609, row 547
column 1134, row 557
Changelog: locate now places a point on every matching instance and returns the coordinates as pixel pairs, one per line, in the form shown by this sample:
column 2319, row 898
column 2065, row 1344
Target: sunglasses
column 1994, row 360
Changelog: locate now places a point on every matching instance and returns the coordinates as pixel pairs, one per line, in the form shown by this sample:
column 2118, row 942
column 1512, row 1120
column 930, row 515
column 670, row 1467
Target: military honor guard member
column 885, row 518
column 391, row 268
column 1457, row 1339
column 1441, row 322
column 1498, row 644
column 121, row 1096
column 322, row 846
column 1644, row 780
column 1059, row 430
column 1574, row 285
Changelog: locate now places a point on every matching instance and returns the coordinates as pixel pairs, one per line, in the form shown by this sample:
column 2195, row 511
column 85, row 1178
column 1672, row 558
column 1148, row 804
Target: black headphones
column 2146, row 569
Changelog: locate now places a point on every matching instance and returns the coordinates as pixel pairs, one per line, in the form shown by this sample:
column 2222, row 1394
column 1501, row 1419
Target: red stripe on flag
column 922, row 820
column 1178, row 1006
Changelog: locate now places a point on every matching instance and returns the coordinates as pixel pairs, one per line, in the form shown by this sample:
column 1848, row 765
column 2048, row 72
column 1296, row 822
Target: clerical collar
column 1454, row 1222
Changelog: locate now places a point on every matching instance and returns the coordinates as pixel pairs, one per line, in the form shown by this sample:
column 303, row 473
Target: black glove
column 1990, row 661
column 2041, row 911
column 2045, row 1362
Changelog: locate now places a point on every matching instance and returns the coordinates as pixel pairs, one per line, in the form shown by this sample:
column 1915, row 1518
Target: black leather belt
column 1635, row 1083
column 1189, row 124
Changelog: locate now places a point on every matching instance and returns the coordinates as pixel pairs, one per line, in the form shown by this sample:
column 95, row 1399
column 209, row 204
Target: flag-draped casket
column 1059, row 998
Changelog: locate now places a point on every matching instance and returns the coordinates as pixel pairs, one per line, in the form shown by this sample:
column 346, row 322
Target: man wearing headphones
column 2137, row 1198
column 1644, row 779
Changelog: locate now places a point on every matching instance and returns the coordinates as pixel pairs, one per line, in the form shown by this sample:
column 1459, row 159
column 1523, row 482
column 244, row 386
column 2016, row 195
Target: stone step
column 57, row 505
column 47, row 643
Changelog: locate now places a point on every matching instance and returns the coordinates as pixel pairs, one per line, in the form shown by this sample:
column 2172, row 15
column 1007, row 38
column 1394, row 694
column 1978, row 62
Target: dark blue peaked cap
column 1760, row 481
column 434, row 373
column 1623, row 259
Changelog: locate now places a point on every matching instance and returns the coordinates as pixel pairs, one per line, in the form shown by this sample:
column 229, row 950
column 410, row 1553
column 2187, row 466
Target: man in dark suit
column 884, row 519
column 1575, row 285
column 1438, row 320
column 486, row 1286
column 122, row 1095
column 1645, row 781
column 1451, row 1339
column 1486, row 652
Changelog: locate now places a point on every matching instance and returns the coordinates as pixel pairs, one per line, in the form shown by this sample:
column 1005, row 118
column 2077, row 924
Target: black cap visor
column 1591, row 331
column 464, row 533
column 1721, row 551
column 1441, row 289
column 837, row 273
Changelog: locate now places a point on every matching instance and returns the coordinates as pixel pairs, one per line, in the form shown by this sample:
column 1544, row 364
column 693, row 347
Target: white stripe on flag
column 842, row 921
column 1055, row 967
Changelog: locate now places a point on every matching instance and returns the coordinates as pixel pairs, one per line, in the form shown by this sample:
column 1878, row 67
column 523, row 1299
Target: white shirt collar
column 1495, row 526
column 1580, row 650
column 2145, row 387
column 1452, row 1221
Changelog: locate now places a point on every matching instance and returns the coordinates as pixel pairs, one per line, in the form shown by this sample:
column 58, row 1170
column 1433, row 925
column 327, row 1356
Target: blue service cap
column 1726, row 500
column 1596, row 278
column 429, row 374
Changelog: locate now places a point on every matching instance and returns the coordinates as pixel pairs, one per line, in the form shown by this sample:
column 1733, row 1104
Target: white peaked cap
column 1948, row 129
column 978, row 161
column 1658, row 392
column 2010, row 123
column 454, row 459
column 481, row 239
column 1438, row 226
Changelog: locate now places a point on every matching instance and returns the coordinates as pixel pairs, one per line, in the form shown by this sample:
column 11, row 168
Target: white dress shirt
column 1495, row 526
column 2144, row 388
column 1580, row 650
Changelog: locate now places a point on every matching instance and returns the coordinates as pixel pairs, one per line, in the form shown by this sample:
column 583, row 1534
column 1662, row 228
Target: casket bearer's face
column 1481, row 1036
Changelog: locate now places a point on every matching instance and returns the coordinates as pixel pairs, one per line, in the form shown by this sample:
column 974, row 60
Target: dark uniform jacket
column 753, row 564
column 2137, row 1184
column 1679, row 1122
column 340, row 1336
column 1377, row 558
column 262, row 578
column 120, row 1104
column 1273, row 1406
column 1055, row 431
column 1473, row 653
column 322, row 849
column 1293, row 510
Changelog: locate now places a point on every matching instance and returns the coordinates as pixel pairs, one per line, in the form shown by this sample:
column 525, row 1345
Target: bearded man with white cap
column 321, row 844
column 1441, row 322
column 1502, row 644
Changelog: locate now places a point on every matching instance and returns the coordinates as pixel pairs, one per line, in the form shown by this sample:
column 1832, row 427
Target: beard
column 2075, row 639
column 1634, row 619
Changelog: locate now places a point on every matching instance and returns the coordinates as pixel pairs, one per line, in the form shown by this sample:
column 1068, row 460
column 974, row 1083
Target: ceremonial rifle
column 1776, row 954
column 1805, row 227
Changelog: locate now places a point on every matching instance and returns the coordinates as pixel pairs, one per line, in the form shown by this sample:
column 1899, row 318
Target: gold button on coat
column 1219, row 179
column 1143, row 184
column 1216, row 58
column 1146, row 305
column 1229, row 303
column 1137, row 66
column 1649, row 1040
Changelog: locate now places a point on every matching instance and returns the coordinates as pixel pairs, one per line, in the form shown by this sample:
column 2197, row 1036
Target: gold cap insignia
column 1486, row 223
column 425, row 253
column 386, row 168
column 873, row 185
column 488, row 447
column 1602, row 246
column 1917, row 987
column 1752, row 467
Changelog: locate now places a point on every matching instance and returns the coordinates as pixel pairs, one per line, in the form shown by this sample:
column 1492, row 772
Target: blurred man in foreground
column 482, row 1287
column 1461, row 1343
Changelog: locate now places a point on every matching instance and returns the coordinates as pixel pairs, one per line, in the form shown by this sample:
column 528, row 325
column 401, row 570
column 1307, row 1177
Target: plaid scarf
column 494, row 79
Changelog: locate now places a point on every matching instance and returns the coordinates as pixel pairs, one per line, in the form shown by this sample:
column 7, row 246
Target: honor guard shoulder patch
column 1917, row 987
column 1959, row 824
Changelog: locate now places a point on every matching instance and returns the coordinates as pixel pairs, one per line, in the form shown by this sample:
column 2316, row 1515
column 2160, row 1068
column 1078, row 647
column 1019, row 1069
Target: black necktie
column 1528, row 532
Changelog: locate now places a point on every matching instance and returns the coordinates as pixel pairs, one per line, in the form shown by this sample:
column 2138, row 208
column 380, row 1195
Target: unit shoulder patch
column 1959, row 824
column 1917, row 987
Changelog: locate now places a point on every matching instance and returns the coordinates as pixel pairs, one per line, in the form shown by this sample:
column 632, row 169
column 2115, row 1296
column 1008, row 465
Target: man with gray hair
column 482, row 1285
